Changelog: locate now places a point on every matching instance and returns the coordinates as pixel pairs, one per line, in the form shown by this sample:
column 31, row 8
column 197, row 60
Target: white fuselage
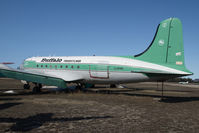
column 104, row 75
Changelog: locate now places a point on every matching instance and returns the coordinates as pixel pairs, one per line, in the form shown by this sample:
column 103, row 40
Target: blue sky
column 86, row 27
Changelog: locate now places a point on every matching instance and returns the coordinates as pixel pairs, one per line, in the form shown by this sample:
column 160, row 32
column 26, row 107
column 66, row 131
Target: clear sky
column 86, row 27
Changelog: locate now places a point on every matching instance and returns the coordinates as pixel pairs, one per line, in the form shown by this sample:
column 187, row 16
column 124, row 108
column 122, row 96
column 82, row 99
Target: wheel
column 78, row 87
column 40, row 86
column 26, row 86
column 36, row 89
column 93, row 86
column 112, row 86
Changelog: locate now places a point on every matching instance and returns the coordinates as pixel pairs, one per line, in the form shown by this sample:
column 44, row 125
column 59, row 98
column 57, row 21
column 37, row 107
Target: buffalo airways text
column 59, row 60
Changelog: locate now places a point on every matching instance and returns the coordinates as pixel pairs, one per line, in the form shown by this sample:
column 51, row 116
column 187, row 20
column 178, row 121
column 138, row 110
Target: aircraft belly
column 119, row 77
column 97, row 77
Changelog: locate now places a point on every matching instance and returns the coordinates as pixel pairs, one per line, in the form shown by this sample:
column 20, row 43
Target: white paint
column 161, row 42
column 83, row 76
column 23, row 82
column 115, row 61
column 164, row 25
column 9, row 92
column 178, row 54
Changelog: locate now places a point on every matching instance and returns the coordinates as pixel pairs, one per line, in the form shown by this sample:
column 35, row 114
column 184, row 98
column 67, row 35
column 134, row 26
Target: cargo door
column 99, row 71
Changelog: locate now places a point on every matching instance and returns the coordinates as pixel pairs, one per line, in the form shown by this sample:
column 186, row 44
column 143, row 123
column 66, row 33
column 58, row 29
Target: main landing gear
column 113, row 86
column 84, row 87
column 162, row 89
column 26, row 86
column 37, row 88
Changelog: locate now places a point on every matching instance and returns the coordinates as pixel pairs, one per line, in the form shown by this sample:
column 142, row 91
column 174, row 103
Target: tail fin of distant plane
column 167, row 45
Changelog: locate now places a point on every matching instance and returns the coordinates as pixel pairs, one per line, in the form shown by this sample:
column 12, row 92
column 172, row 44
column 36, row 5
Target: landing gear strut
column 84, row 87
column 37, row 88
column 79, row 87
column 162, row 90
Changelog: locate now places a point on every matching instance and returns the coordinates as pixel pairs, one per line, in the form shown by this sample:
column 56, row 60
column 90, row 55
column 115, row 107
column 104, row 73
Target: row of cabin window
column 56, row 66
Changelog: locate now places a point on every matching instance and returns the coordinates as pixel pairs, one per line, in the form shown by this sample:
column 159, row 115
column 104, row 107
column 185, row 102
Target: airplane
column 162, row 60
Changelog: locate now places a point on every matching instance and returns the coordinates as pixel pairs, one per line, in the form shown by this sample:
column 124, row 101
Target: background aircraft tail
column 167, row 46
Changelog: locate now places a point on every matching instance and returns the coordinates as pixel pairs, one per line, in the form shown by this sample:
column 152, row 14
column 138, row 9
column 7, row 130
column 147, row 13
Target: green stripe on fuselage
column 75, row 66
column 85, row 67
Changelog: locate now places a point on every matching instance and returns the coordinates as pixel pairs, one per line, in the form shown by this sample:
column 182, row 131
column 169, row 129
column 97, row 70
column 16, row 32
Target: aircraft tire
column 26, row 86
column 36, row 89
column 112, row 86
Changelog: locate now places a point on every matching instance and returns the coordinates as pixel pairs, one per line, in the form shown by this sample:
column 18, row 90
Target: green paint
column 33, row 78
column 94, row 67
column 167, row 47
column 87, row 67
column 157, row 52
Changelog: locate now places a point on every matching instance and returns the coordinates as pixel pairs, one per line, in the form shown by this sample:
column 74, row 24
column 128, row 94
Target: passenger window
column 46, row 66
column 61, row 66
column 78, row 67
column 66, row 66
column 55, row 66
column 71, row 66
column 41, row 65
column 37, row 65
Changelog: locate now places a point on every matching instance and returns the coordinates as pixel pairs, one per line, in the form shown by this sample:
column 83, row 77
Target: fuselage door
column 99, row 71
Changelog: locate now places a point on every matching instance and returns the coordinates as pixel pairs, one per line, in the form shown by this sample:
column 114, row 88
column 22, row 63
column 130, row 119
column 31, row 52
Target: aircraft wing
column 37, row 77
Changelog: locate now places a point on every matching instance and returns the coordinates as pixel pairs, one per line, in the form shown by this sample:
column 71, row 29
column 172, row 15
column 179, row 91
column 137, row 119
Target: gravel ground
column 137, row 108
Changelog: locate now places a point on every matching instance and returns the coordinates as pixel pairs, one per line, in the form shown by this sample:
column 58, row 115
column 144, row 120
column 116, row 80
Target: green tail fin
column 167, row 45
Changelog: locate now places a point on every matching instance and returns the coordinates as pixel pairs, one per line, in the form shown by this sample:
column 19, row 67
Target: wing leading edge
column 8, row 72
